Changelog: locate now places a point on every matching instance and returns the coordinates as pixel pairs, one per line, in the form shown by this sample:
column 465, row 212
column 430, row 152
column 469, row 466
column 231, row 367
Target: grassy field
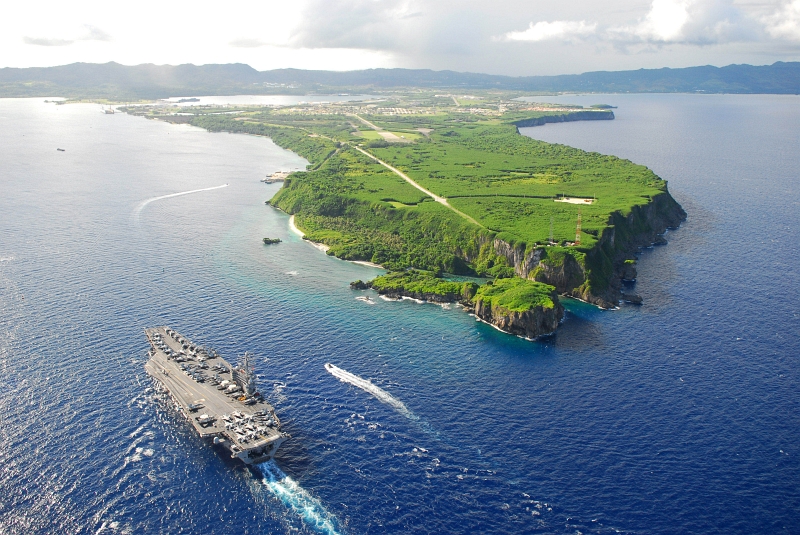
column 373, row 135
column 529, row 219
column 515, row 295
column 507, row 182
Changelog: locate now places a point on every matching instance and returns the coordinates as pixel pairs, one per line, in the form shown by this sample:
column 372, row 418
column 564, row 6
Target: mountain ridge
column 115, row 81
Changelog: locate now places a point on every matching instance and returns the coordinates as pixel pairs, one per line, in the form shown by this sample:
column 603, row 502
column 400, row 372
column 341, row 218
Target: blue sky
column 499, row 37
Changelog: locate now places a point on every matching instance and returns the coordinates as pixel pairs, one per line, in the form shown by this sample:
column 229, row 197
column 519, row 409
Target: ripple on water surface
column 677, row 416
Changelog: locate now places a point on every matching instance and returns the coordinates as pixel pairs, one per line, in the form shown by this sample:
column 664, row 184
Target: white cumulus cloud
column 785, row 23
column 665, row 20
column 692, row 22
column 558, row 29
column 698, row 22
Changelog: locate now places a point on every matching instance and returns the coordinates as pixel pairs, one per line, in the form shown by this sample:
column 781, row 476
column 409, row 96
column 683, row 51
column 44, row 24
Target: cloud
column 785, row 22
column 558, row 29
column 692, row 22
column 664, row 22
column 247, row 43
column 41, row 41
column 374, row 24
column 696, row 22
column 91, row 33
column 95, row 34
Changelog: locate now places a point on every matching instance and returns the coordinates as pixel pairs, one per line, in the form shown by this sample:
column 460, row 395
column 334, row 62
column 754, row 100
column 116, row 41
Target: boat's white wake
column 365, row 385
column 142, row 204
column 298, row 499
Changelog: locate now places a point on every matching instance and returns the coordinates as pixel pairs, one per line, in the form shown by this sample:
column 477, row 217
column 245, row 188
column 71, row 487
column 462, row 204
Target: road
column 437, row 198
column 377, row 129
column 388, row 136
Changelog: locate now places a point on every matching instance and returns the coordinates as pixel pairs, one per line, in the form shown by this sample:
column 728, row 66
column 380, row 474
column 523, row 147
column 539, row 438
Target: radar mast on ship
column 244, row 375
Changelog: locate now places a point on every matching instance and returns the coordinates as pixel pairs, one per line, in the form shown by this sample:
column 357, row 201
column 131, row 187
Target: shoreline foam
column 325, row 248
column 294, row 228
column 368, row 264
column 322, row 247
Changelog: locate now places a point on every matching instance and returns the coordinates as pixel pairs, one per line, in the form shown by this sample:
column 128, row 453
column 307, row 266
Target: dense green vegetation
column 507, row 182
column 503, row 296
column 515, row 295
column 428, row 237
column 414, row 282
column 300, row 137
column 469, row 153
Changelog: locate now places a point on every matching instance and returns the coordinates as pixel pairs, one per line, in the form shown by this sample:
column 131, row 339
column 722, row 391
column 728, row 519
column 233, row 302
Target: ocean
column 678, row 416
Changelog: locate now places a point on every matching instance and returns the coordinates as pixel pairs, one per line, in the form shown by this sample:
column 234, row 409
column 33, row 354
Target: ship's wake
column 367, row 386
column 298, row 499
column 142, row 204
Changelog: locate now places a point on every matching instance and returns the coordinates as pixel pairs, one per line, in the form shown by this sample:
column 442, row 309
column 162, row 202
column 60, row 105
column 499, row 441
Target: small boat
column 60, row 150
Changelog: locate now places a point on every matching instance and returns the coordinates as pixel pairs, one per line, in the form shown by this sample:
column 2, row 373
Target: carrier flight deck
column 219, row 400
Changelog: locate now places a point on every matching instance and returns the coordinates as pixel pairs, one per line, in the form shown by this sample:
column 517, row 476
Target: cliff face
column 567, row 117
column 532, row 323
column 598, row 281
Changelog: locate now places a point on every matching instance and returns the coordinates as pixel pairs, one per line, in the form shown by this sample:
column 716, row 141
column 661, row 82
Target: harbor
column 278, row 176
column 220, row 401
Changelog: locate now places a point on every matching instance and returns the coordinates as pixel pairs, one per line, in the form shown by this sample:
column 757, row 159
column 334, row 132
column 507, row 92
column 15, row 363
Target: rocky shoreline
column 399, row 293
column 588, row 115
column 534, row 323
column 614, row 251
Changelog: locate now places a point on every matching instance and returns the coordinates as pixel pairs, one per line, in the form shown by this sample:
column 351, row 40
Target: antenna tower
column 551, row 230
column 578, row 229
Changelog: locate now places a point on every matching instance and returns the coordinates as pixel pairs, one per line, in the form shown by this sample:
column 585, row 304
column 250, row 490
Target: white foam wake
column 365, row 385
column 298, row 499
column 142, row 204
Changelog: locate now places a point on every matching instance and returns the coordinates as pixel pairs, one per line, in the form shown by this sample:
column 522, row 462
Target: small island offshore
column 430, row 185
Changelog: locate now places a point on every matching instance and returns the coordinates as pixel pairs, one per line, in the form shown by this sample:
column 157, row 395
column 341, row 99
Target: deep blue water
column 679, row 416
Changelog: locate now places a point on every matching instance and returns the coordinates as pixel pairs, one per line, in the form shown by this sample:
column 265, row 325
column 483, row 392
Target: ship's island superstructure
column 221, row 401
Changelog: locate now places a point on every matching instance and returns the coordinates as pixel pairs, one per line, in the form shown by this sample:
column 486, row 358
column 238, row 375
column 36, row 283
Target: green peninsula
column 446, row 183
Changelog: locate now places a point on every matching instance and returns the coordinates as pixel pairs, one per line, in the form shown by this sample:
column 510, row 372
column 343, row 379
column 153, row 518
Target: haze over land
column 119, row 82
column 510, row 37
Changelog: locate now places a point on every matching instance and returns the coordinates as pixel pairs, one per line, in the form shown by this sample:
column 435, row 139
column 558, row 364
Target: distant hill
column 776, row 78
column 115, row 81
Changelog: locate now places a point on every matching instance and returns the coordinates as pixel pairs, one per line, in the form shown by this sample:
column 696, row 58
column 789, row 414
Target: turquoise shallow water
column 677, row 416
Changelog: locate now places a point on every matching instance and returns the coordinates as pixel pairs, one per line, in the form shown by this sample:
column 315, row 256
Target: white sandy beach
column 294, row 228
column 368, row 264
column 323, row 247
column 300, row 233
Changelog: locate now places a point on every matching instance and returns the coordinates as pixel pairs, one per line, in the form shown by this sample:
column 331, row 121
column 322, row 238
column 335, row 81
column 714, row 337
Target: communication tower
column 578, row 229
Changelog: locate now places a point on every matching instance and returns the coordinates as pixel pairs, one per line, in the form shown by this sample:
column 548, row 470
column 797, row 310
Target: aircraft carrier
column 219, row 400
